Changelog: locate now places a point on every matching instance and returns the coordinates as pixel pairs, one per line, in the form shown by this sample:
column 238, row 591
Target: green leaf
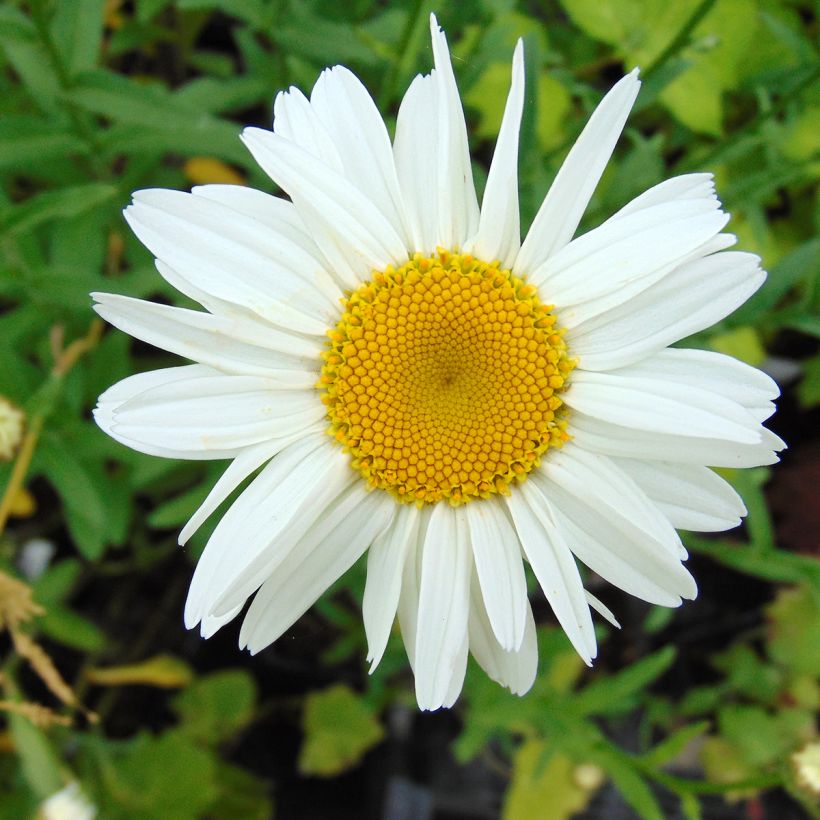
column 808, row 391
column 539, row 781
column 612, row 694
column 253, row 12
column 150, row 777
column 794, row 630
column 21, row 149
column 338, row 728
column 741, row 343
column 626, row 777
column 669, row 748
column 217, row 706
column 62, row 203
column 40, row 764
column 773, row 565
column 70, row 629
column 83, row 505
column 77, row 29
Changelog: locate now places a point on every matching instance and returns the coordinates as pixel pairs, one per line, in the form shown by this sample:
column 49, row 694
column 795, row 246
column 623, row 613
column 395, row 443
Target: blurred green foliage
column 99, row 98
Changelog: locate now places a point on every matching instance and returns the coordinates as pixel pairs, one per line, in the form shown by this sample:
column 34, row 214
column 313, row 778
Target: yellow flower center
column 443, row 377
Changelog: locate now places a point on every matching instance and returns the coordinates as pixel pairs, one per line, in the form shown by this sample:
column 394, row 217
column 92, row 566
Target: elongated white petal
column 211, row 340
column 457, row 206
column 690, row 496
column 691, row 298
column 514, row 669
column 217, row 412
column 615, row 440
column 554, row 566
column 499, row 227
column 617, row 550
column 295, row 119
column 594, row 477
column 602, row 609
column 712, row 372
column 347, row 110
column 354, row 236
column 230, row 256
column 660, row 407
column 415, row 149
column 444, row 602
column 264, row 523
column 246, row 462
column 325, row 552
column 497, row 555
column 385, row 563
column 273, row 212
column 558, row 217
column 624, row 256
column 211, row 624
column 408, row 610
column 132, row 387
column 456, row 683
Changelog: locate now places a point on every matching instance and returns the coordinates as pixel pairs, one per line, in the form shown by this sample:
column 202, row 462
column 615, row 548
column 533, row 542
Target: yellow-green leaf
column 162, row 671
column 743, row 343
column 339, row 728
column 548, row 789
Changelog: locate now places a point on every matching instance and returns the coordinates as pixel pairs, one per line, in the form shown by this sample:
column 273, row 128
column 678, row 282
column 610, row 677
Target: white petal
column 246, row 462
column 517, row 669
column 295, row 119
column 133, row 386
column 691, row 298
column 408, row 611
column 212, row 340
column 216, row 412
column 347, row 111
column 232, row 257
column 354, row 236
column 625, row 256
column 326, row 551
column 385, row 564
column 615, row 440
column 659, row 407
column 602, row 609
column 711, row 372
column 275, row 213
column 596, row 479
column 499, row 227
column 629, row 291
column 457, row 207
column 415, row 149
column 444, row 599
column 211, row 624
column 497, row 555
column 459, row 673
column 558, row 217
column 690, row 496
column 553, row 565
column 623, row 555
column 680, row 188
column 263, row 524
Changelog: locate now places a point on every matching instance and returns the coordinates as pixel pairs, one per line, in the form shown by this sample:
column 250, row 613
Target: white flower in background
column 70, row 803
column 418, row 382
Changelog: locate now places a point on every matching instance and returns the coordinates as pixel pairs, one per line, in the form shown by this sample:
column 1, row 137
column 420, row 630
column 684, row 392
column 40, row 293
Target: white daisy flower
column 416, row 382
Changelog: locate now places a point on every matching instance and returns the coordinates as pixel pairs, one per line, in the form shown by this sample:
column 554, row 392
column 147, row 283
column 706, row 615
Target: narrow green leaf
column 669, row 748
column 614, row 693
column 61, row 203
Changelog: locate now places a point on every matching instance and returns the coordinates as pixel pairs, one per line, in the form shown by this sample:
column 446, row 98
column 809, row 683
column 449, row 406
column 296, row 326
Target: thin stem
column 681, row 39
column 65, row 360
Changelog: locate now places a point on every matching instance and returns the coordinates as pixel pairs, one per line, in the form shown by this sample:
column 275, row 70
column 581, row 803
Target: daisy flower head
column 403, row 376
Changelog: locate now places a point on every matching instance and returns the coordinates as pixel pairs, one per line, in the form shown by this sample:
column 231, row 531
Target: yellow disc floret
column 443, row 379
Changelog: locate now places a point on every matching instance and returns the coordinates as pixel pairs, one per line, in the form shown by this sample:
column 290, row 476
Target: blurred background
column 707, row 711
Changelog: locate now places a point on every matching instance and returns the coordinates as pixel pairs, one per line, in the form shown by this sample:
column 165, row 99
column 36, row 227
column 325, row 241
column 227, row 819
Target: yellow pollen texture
column 443, row 378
